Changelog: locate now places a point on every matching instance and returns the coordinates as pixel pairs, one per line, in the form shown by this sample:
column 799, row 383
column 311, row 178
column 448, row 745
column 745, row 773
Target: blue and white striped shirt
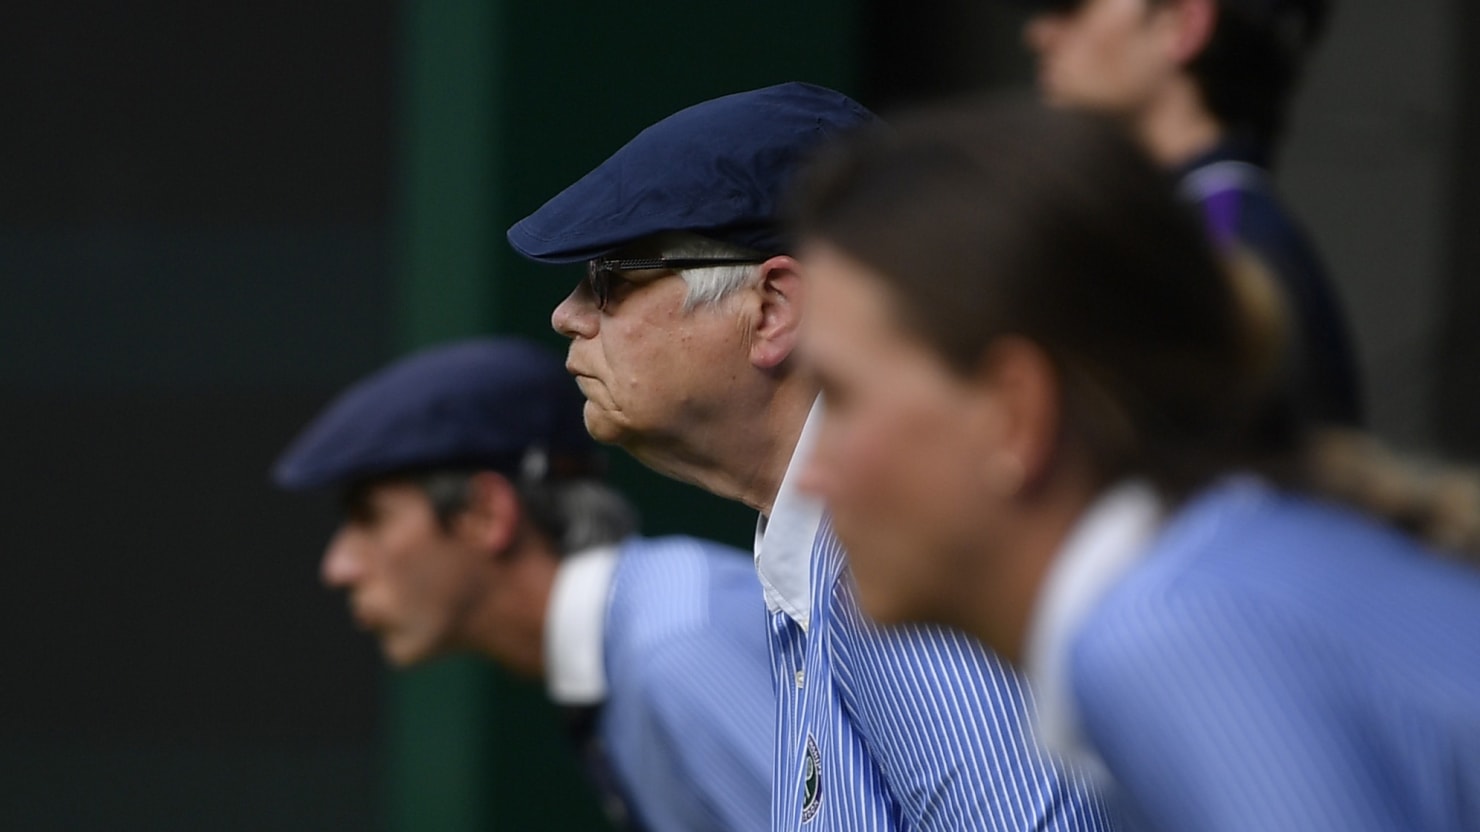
column 681, row 673
column 1274, row 663
column 892, row 728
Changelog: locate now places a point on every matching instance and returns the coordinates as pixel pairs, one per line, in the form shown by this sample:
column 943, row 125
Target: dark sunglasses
column 603, row 274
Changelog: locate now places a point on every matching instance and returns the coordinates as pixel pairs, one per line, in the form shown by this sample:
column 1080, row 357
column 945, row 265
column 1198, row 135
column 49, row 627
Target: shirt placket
column 789, row 644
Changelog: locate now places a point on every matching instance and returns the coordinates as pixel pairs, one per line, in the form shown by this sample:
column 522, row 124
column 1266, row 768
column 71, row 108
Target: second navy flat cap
column 720, row 169
column 483, row 402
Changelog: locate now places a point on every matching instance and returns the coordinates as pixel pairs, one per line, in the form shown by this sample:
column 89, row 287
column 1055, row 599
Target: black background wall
column 193, row 211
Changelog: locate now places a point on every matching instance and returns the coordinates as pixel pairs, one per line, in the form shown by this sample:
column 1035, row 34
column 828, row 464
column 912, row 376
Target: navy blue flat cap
column 720, row 169
column 486, row 402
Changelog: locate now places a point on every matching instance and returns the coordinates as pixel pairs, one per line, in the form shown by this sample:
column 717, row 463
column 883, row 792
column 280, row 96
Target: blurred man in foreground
column 475, row 519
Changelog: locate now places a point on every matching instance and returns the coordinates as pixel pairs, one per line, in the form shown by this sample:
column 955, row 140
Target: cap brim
column 540, row 254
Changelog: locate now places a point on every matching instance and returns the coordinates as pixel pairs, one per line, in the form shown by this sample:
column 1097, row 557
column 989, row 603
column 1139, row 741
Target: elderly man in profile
column 682, row 339
column 475, row 519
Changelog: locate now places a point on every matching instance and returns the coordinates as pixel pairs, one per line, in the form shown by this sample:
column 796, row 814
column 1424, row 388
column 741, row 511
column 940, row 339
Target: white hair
column 709, row 285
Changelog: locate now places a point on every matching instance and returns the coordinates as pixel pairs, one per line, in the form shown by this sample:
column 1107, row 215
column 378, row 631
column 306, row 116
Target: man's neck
column 1175, row 127
column 508, row 624
column 744, row 455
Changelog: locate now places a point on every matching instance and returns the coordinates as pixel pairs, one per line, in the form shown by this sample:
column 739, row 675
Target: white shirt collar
column 1104, row 544
column 783, row 542
column 575, row 624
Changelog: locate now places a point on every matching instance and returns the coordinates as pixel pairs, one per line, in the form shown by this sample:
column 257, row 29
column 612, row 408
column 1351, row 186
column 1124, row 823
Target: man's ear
column 1193, row 22
column 776, row 313
column 1018, row 391
column 491, row 520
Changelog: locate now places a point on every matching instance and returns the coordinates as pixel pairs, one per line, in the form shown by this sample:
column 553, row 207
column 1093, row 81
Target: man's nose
column 342, row 562
column 577, row 315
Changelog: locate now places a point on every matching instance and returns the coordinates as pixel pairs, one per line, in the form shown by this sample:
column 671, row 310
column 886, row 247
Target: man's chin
column 406, row 656
column 602, row 427
column 1082, row 100
column 1056, row 94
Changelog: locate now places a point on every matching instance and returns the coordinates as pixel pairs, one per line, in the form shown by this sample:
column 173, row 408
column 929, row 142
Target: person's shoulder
column 684, row 613
column 1280, row 539
column 679, row 547
column 1241, row 530
column 1267, row 226
column 1216, row 556
column 1275, row 568
column 1242, row 204
column 669, row 565
column 667, row 586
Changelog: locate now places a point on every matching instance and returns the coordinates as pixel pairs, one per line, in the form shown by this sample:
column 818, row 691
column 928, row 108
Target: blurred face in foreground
column 898, row 459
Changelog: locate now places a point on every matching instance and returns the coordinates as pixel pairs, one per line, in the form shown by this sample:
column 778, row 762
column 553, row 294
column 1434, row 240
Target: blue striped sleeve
column 690, row 718
column 700, row 741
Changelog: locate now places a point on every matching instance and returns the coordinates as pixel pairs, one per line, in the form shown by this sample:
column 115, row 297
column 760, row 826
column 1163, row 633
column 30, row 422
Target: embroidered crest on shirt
column 811, row 780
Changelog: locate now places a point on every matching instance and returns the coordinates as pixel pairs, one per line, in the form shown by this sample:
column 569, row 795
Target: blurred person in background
column 1206, row 85
column 682, row 339
column 475, row 519
column 1049, row 424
